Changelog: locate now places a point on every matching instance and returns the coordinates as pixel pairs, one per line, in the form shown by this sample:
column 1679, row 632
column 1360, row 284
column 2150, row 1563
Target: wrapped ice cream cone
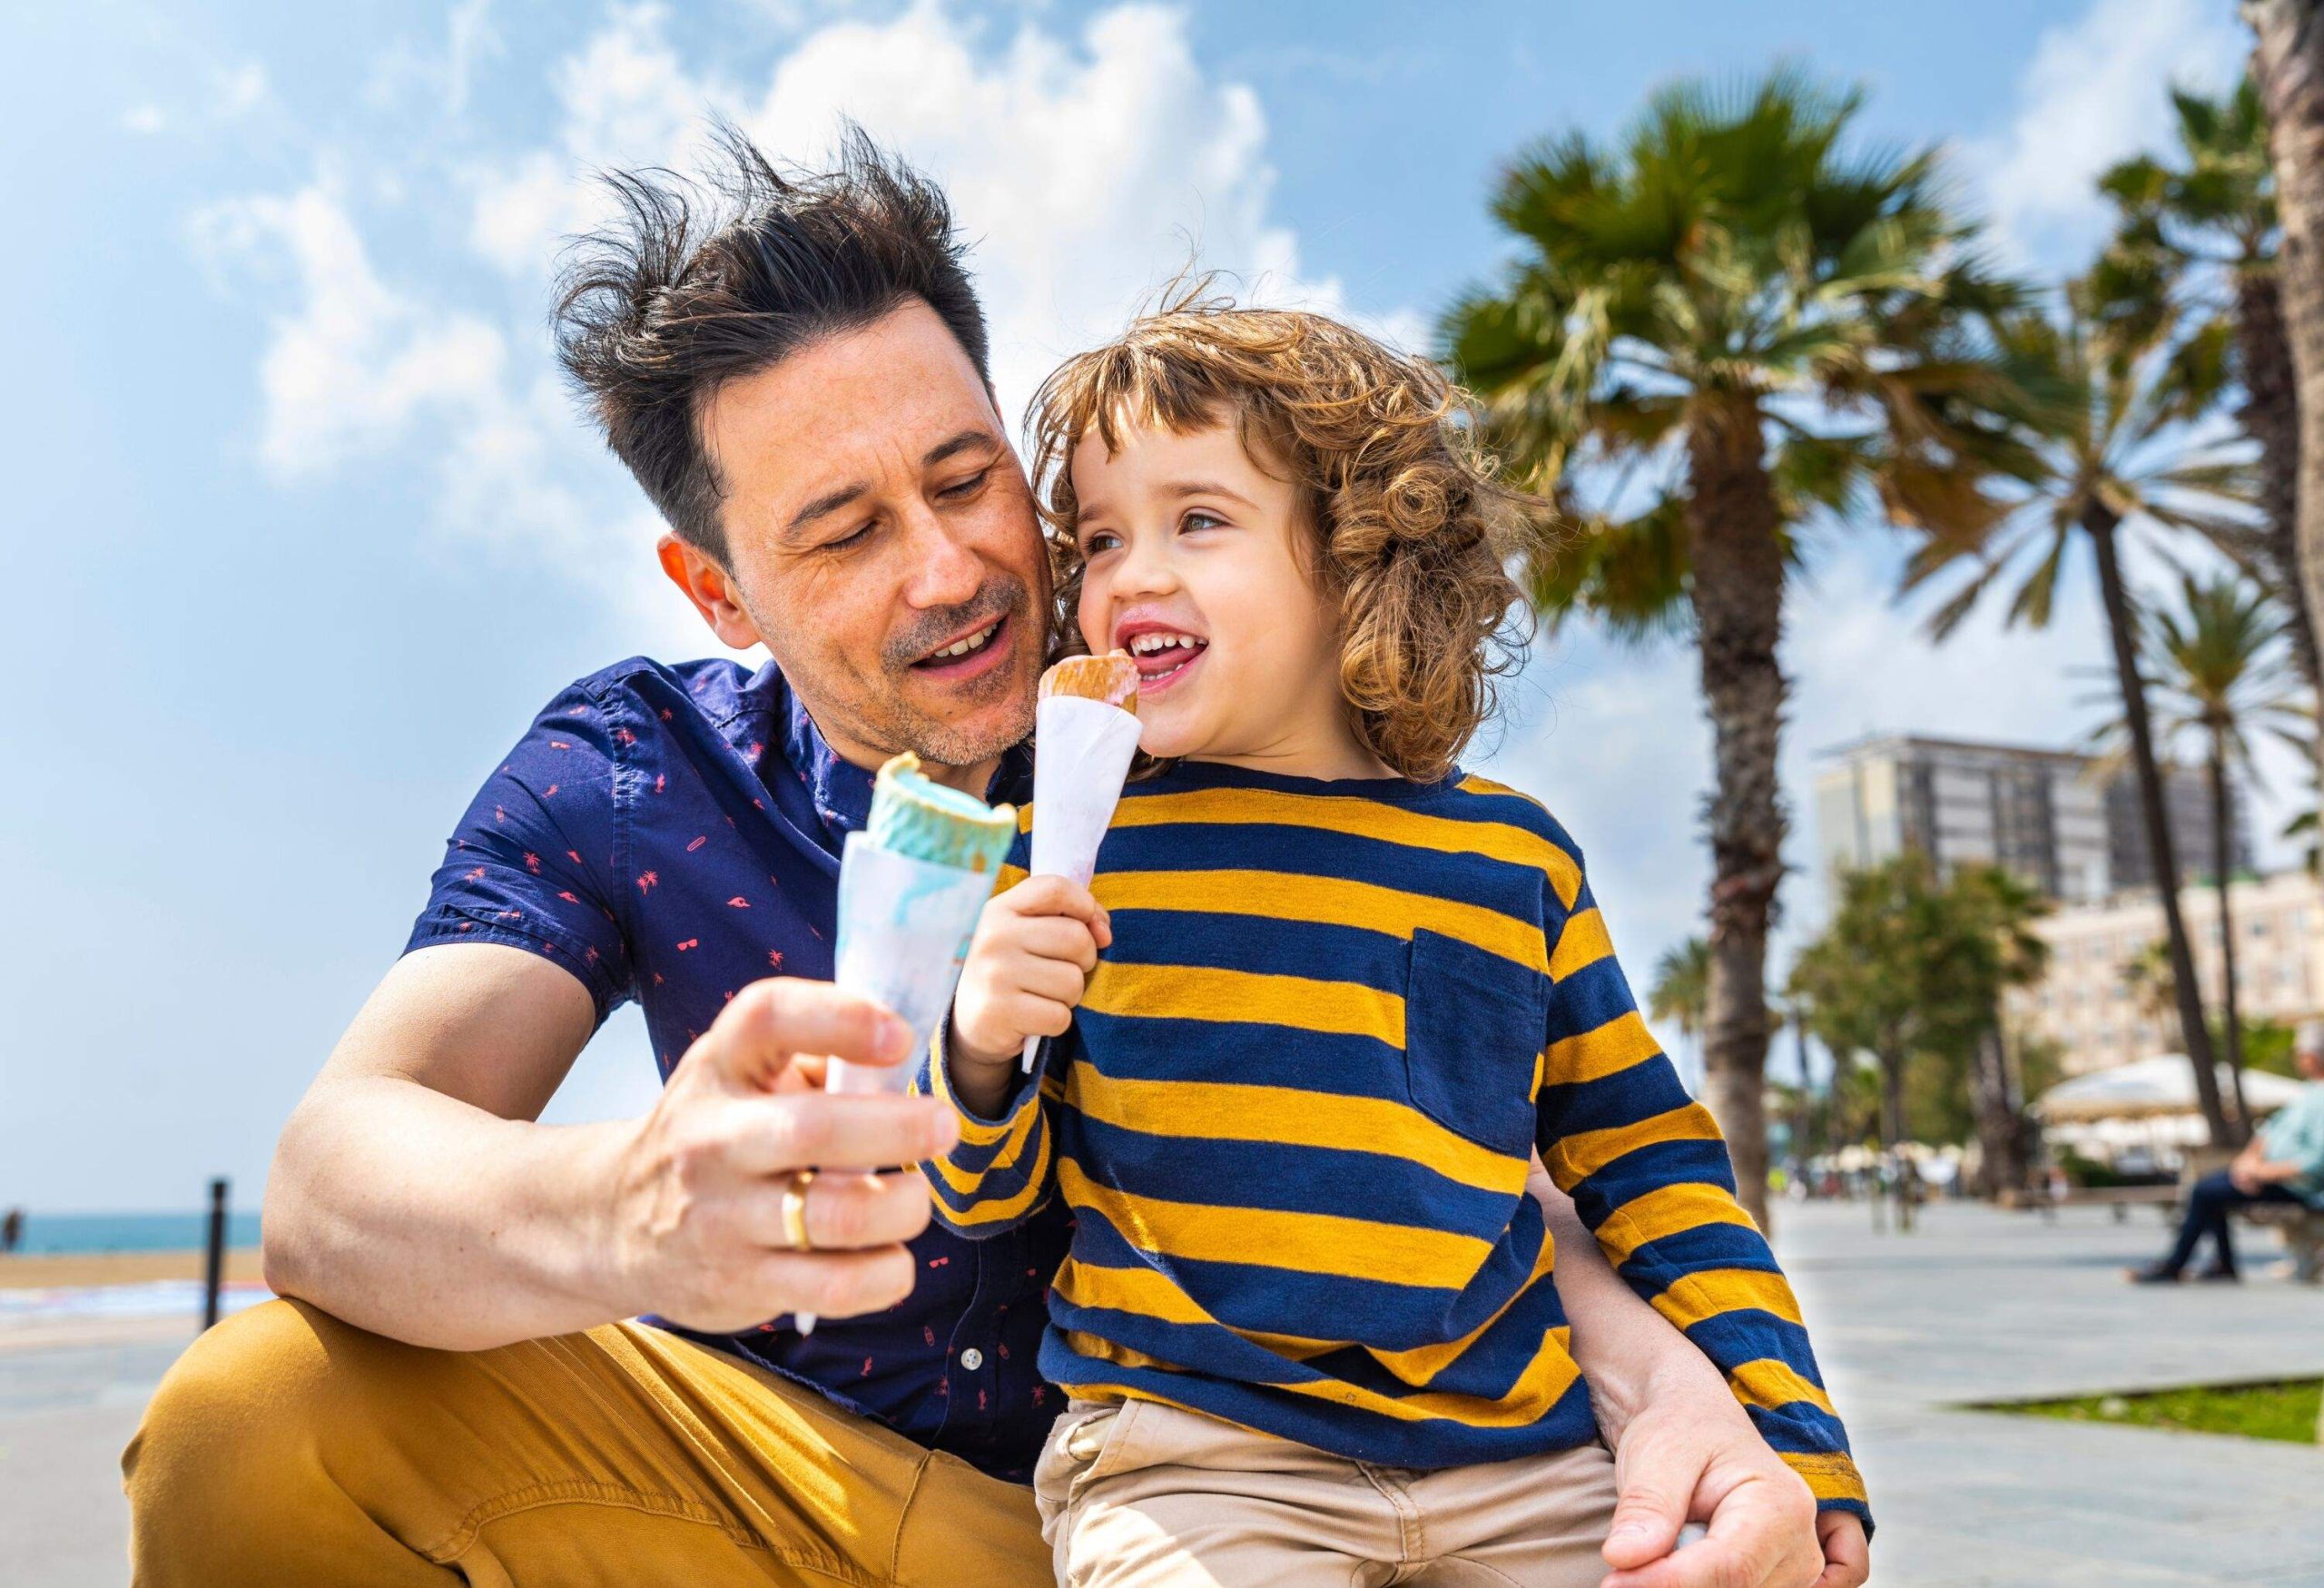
column 911, row 885
column 1084, row 733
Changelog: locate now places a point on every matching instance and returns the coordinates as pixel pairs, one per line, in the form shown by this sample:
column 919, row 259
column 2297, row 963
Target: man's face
column 880, row 542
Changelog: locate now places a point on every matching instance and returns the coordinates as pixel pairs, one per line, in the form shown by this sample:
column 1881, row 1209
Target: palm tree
column 2153, row 989
column 1999, row 910
column 2220, row 673
column 2287, row 66
column 2187, row 230
column 2119, row 456
column 1724, row 327
column 1681, row 987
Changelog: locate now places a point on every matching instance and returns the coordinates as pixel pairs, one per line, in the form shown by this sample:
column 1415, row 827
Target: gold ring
column 794, row 1210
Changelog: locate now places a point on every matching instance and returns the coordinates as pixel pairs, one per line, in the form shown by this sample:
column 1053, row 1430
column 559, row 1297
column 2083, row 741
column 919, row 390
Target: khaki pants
column 1144, row 1494
column 287, row 1447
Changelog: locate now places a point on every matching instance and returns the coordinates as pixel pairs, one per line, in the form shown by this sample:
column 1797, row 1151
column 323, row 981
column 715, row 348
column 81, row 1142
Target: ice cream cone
column 1085, row 734
column 1112, row 678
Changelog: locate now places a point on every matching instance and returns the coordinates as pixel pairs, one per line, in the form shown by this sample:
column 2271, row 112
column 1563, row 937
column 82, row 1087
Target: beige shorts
column 1143, row 1494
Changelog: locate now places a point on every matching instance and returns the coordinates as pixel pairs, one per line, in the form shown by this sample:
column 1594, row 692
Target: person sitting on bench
column 2283, row 1163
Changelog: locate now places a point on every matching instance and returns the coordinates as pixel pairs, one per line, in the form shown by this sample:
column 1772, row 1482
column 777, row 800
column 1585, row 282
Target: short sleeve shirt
column 2296, row 1136
column 670, row 834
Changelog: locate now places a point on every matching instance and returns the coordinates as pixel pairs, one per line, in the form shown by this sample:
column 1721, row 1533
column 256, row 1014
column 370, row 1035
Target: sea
column 131, row 1232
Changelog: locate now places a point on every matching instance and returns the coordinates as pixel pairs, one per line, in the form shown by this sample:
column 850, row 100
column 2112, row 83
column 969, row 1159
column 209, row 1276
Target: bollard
column 215, row 1274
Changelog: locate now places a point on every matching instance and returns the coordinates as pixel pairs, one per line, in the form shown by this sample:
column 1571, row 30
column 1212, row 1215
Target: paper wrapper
column 904, row 926
column 1082, row 751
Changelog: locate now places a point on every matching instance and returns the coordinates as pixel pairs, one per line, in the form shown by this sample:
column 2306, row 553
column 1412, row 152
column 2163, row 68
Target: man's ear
column 705, row 585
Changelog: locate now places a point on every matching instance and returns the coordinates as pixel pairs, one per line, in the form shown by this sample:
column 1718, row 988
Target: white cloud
column 2092, row 93
column 445, row 75
column 627, row 101
column 238, row 89
column 1086, row 169
column 143, row 119
column 356, row 366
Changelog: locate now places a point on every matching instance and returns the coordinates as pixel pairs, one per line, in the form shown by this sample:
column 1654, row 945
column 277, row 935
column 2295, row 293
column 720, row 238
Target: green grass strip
column 2286, row 1410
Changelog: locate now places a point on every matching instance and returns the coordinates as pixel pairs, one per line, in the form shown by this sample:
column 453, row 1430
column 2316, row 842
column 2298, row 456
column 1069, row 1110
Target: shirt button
column 973, row 1359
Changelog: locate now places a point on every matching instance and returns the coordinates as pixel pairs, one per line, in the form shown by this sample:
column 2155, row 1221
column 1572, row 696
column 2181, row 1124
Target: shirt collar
column 842, row 791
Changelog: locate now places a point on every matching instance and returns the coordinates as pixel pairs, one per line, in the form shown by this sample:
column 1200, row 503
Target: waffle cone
column 1110, row 679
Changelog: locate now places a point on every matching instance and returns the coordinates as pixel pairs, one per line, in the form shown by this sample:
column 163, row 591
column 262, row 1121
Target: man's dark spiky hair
column 687, row 290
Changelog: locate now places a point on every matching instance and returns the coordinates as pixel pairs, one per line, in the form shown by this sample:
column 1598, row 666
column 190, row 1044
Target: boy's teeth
column 1146, row 645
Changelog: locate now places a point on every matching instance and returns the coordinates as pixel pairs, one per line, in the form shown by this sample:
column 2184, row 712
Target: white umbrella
column 2147, row 1087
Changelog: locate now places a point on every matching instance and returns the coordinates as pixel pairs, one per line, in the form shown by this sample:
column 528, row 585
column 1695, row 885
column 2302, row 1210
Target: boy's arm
column 1649, row 1175
column 997, row 1174
column 1035, row 945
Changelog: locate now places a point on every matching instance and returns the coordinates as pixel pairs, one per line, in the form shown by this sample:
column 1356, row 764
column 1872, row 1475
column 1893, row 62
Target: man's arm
column 414, row 1194
column 2253, row 1168
column 1683, row 1447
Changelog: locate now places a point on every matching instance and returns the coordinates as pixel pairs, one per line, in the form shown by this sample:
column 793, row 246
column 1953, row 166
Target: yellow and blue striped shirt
column 1294, row 1120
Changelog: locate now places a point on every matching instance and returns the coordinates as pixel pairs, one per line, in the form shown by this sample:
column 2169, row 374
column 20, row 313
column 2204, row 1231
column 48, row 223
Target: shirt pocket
column 1474, row 1026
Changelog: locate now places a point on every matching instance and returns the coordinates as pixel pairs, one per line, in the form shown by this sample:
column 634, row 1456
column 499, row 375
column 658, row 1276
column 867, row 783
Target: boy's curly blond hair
column 1413, row 524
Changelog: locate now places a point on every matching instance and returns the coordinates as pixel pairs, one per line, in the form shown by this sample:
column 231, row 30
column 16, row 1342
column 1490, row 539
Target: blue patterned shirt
column 670, row 834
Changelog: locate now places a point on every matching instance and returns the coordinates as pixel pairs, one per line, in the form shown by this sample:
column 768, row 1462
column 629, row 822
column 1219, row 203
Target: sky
column 298, row 529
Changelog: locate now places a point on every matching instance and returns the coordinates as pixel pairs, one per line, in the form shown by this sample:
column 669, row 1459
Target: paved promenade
column 1977, row 1305
column 1983, row 1305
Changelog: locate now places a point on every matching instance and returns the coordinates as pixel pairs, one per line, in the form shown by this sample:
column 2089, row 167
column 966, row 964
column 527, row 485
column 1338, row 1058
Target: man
column 452, row 1397
column 2283, row 1163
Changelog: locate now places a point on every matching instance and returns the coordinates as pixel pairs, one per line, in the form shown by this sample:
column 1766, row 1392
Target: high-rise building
column 2033, row 812
column 2186, row 796
column 2053, row 818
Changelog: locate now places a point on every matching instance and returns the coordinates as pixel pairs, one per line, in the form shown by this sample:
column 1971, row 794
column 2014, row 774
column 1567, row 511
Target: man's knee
column 2214, row 1187
column 232, row 1423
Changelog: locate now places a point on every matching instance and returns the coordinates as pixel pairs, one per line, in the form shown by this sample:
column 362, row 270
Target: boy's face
column 1197, row 562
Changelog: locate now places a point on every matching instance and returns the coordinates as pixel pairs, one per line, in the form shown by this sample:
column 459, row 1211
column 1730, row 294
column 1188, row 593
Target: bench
column 2120, row 1199
column 2303, row 1233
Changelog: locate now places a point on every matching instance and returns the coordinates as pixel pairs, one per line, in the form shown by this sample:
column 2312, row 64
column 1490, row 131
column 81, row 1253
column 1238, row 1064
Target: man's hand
column 697, row 1229
column 1684, row 1457
column 1034, row 949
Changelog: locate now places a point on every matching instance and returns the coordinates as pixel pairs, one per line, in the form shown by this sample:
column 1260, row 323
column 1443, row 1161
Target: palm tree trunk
column 2101, row 522
column 2287, row 66
column 2222, row 852
column 2003, row 1166
column 1738, row 594
column 2271, row 415
column 1892, row 1132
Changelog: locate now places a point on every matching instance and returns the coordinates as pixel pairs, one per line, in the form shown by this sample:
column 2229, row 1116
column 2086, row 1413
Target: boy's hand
column 1034, row 949
column 1847, row 1554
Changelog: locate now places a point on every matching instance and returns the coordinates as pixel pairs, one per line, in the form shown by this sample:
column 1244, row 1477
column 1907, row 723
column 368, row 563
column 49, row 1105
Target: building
column 2187, row 798
column 2053, row 818
column 2086, row 1004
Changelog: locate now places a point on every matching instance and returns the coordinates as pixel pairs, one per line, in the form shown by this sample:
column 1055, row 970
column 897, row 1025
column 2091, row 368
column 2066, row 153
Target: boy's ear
column 706, row 584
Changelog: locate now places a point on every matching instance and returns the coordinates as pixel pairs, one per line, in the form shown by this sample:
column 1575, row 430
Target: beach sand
column 57, row 1270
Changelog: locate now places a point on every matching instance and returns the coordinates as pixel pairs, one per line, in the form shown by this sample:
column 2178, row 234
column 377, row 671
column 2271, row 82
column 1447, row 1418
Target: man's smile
column 971, row 654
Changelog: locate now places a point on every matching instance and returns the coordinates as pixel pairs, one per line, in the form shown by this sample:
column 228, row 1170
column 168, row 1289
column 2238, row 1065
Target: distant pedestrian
column 2284, row 1163
column 11, row 1229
